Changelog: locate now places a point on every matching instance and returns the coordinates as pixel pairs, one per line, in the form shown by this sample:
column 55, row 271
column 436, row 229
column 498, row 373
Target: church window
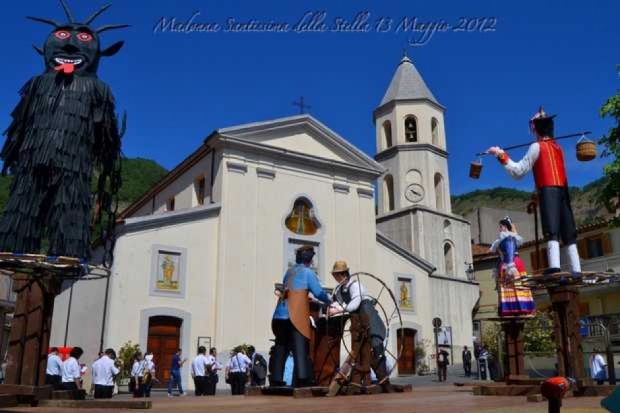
column 439, row 192
column 201, row 184
column 387, row 134
column 435, row 131
column 448, row 257
column 411, row 129
column 170, row 204
column 388, row 194
column 302, row 220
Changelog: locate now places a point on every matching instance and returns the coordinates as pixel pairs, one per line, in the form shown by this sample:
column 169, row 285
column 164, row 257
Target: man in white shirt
column 72, row 373
column 104, row 371
column 598, row 367
column 199, row 371
column 237, row 369
column 214, row 366
column 53, row 371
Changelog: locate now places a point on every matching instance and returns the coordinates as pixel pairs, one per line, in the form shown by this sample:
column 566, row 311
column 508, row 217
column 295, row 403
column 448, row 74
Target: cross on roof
column 302, row 105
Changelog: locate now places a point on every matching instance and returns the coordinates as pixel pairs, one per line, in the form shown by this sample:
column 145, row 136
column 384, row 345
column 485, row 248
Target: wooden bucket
column 474, row 169
column 586, row 150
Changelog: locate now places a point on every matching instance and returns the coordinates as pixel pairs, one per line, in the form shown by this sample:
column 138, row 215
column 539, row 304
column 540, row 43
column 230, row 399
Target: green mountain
column 586, row 207
column 138, row 175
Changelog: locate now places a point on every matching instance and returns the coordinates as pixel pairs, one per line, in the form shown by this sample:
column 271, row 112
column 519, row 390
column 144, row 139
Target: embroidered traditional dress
column 513, row 298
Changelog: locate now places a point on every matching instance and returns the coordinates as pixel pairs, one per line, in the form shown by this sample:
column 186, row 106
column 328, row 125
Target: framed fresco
column 204, row 341
column 404, row 292
column 168, row 271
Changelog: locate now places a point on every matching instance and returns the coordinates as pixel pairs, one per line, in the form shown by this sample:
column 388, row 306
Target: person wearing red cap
column 546, row 159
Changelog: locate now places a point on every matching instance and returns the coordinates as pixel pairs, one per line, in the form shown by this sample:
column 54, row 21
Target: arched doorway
column 163, row 340
column 406, row 341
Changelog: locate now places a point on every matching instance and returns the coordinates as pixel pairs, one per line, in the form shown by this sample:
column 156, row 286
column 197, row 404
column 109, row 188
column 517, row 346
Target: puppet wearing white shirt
column 546, row 159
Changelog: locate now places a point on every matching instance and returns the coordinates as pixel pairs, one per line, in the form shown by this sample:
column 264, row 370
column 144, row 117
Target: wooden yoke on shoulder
column 299, row 311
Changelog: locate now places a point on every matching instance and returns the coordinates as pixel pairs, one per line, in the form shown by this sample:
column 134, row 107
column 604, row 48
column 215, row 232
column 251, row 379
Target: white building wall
column 453, row 302
column 391, row 266
column 254, row 237
column 132, row 303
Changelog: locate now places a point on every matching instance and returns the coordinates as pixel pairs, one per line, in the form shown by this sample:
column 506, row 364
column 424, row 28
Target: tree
column 538, row 335
column 610, row 191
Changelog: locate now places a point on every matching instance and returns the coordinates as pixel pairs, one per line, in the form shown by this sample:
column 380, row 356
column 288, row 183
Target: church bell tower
column 411, row 144
column 414, row 207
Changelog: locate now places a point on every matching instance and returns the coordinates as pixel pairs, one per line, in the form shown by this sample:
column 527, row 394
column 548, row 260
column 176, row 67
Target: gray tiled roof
column 407, row 84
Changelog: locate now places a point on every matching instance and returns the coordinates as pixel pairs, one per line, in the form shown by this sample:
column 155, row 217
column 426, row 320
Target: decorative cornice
column 406, row 147
column 238, row 167
column 415, row 208
column 341, row 188
column 299, row 157
column 265, row 173
column 365, row 192
column 389, row 106
column 168, row 218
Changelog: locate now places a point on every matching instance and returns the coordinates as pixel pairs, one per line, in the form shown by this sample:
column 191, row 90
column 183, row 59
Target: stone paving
column 440, row 398
column 428, row 395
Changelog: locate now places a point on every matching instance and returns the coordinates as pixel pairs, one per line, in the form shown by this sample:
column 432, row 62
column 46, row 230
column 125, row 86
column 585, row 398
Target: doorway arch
column 406, row 341
column 164, row 339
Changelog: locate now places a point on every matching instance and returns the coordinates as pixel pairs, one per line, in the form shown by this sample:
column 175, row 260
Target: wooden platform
column 506, row 390
column 320, row 391
column 20, row 394
column 40, row 265
column 585, row 278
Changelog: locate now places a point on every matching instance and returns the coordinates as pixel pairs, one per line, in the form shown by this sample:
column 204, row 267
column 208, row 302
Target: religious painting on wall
column 168, row 274
column 404, row 293
column 168, row 269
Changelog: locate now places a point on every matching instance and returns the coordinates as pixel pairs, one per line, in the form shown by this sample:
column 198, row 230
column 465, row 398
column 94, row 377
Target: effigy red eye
column 62, row 34
column 85, row 37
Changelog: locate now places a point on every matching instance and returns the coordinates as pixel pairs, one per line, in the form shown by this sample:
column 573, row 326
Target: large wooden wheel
column 385, row 303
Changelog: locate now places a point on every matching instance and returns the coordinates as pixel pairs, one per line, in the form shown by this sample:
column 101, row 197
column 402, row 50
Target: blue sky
column 178, row 87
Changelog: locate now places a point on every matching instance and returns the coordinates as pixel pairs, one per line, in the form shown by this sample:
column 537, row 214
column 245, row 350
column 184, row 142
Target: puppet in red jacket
column 546, row 159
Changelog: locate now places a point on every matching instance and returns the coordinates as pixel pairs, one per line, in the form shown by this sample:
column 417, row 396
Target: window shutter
column 582, row 248
column 606, row 243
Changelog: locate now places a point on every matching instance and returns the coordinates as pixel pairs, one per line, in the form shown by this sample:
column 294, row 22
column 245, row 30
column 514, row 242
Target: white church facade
column 197, row 256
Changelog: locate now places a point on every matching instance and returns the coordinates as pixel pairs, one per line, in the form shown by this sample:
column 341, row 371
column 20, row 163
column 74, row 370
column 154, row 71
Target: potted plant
column 124, row 362
column 419, row 355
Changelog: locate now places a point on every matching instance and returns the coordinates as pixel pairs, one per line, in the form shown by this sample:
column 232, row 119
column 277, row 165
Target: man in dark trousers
column 443, row 361
column 467, row 361
column 291, row 319
column 259, row 367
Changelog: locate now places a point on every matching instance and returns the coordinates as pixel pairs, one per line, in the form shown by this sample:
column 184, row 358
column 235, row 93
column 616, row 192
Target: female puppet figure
column 513, row 299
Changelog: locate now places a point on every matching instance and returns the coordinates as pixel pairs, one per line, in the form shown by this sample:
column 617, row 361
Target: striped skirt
column 514, row 300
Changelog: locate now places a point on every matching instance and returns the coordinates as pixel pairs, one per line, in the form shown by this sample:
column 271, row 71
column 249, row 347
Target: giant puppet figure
column 514, row 300
column 546, row 159
column 64, row 130
column 291, row 320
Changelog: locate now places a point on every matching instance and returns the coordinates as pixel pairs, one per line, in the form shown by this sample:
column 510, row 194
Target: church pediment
column 302, row 135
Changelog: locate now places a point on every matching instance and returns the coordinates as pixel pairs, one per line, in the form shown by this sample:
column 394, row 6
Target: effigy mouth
column 64, row 60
